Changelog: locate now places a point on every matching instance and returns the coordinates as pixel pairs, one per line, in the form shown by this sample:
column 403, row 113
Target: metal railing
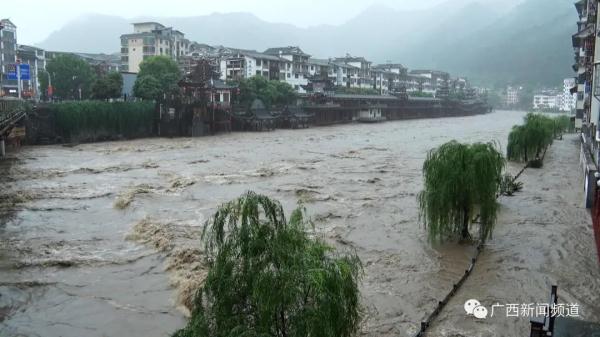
column 11, row 111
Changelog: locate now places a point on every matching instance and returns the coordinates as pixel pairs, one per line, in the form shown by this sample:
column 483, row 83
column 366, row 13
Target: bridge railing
column 11, row 111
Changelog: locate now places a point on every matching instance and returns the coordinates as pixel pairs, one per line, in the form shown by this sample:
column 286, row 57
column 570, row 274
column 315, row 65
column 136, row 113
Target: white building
column 151, row 39
column 512, row 96
column 359, row 75
column 296, row 69
column 36, row 59
column 547, row 101
column 241, row 64
column 568, row 100
column 8, row 56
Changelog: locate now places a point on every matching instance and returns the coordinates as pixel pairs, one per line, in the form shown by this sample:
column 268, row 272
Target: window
column 149, row 40
column 258, row 63
column 597, row 80
column 296, row 75
column 258, row 73
column 226, row 97
column 288, row 75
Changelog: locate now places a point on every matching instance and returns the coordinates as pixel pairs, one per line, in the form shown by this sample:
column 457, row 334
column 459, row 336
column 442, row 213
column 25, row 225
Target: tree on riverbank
column 108, row 86
column 270, row 92
column 158, row 76
column 460, row 182
column 270, row 277
column 71, row 77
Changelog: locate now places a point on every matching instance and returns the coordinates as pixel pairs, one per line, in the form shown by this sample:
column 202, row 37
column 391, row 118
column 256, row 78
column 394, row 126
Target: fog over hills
column 494, row 42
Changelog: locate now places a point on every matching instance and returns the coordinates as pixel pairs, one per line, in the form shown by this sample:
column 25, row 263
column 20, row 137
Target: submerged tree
column 461, row 181
column 528, row 142
column 269, row 277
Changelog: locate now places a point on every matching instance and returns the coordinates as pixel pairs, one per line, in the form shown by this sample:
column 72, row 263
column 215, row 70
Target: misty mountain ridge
column 524, row 41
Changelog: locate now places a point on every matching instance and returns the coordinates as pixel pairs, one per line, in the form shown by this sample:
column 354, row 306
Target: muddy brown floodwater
column 102, row 239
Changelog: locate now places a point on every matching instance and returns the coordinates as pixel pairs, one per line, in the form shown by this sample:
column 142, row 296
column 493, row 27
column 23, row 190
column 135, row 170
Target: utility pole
column 1, row 63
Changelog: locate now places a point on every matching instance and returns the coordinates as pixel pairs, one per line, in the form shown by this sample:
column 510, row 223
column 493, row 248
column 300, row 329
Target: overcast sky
column 36, row 19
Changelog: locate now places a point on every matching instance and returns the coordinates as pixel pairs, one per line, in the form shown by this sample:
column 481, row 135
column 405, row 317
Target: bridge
column 11, row 112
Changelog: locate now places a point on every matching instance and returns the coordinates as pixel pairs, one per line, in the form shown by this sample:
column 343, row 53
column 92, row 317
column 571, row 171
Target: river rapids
column 104, row 239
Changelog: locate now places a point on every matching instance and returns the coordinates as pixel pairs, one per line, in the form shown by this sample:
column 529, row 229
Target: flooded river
column 102, row 239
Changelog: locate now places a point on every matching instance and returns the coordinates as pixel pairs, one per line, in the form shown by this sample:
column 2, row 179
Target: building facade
column 296, row 65
column 151, row 39
column 512, row 96
column 569, row 99
column 547, row 101
column 36, row 59
column 8, row 56
column 584, row 42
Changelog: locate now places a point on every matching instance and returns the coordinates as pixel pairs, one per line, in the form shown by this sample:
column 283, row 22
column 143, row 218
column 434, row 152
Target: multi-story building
column 587, row 106
column 360, row 76
column 395, row 75
column 512, row 96
column 428, row 81
column 547, row 101
column 8, row 56
column 569, row 99
column 297, row 76
column 151, row 39
column 584, row 44
column 36, row 59
column 239, row 64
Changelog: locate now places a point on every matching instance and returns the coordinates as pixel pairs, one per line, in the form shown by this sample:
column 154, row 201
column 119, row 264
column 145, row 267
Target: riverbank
column 543, row 237
column 358, row 182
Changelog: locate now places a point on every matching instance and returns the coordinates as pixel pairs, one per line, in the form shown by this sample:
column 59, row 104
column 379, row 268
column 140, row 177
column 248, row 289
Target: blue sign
column 12, row 72
column 25, row 72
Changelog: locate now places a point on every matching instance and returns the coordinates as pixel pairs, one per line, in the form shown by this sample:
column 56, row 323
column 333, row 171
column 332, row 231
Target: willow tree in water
column 270, row 277
column 528, row 142
column 461, row 182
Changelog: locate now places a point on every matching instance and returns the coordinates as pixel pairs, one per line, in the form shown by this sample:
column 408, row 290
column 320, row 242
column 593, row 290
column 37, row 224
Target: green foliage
column 92, row 120
column 158, row 76
column 109, row 86
column 529, row 141
column 356, row 91
column 270, row 92
column 562, row 125
column 459, row 181
column 68, row 74
column 147, row 87
column 508, row 185
column 270, row 277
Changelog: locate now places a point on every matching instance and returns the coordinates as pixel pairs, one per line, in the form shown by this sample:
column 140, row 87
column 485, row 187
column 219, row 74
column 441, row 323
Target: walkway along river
column 73, row 220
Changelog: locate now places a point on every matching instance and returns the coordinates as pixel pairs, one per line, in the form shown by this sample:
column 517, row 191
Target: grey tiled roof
column 290, row 50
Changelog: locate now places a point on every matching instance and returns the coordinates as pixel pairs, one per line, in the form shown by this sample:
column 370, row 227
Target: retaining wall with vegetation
column 90, row 121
